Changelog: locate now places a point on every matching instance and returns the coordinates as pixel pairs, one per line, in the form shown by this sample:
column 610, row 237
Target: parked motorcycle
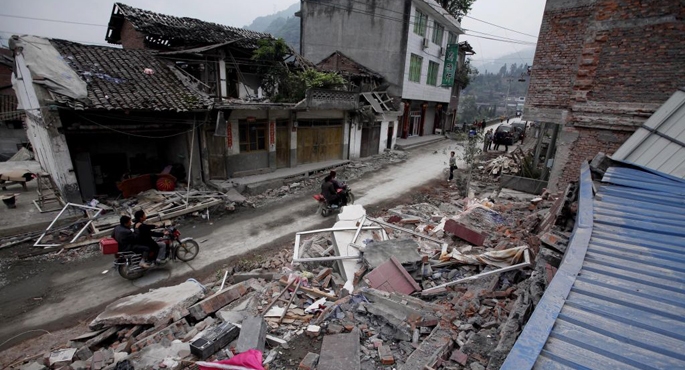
column 325, row 208
column 128, row 263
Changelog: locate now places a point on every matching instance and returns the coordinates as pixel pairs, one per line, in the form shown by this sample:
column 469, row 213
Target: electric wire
column 144, row 136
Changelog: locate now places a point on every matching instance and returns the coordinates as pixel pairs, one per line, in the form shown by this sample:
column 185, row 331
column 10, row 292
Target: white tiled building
column 403, row 40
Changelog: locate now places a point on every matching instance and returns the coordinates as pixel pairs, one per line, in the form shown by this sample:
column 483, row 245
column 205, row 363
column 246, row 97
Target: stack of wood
column 159, row 206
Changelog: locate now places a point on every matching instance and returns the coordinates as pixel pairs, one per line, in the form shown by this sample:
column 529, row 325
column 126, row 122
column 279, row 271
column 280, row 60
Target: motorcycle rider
column 127, row 240
column 144, row 236
column 336, row 183
column 330, row 192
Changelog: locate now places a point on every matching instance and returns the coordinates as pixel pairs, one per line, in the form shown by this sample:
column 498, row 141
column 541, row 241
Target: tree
column 465, row 74
column 280, row 83
column 458, row 8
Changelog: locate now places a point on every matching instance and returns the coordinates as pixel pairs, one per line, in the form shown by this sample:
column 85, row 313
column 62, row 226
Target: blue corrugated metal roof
column 618, row 298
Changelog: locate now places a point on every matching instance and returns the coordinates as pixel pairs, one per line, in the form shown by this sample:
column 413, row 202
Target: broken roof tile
column 181, row 32
column 116, row 80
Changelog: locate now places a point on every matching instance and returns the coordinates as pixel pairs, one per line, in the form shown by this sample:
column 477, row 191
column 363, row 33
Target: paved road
column 70, row 292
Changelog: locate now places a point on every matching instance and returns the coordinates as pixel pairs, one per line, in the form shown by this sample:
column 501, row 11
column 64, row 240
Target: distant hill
column 524, row 56
column 283, row 24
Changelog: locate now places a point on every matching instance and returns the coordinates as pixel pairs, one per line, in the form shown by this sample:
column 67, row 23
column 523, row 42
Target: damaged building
column 601, row 69
column 97, row 115
column 182, row 89
column 412, row 44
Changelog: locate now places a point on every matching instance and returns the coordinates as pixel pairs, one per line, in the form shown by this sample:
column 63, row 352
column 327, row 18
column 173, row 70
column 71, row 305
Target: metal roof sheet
column 618, row 298
column 660, row 143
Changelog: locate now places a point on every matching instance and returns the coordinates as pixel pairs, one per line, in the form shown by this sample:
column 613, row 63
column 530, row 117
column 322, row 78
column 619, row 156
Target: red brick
column 465, row 232
column 459, row 357
column 385, row 354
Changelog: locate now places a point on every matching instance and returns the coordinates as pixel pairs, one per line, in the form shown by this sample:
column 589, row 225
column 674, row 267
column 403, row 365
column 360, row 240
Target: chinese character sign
column 451, row 65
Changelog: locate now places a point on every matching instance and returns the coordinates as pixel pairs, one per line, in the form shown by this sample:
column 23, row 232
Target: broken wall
column 603, row 67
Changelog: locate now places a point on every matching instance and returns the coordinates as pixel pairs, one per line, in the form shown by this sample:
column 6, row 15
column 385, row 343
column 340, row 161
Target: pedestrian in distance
column 492, row 136
column 453, row 165
column 486, row 141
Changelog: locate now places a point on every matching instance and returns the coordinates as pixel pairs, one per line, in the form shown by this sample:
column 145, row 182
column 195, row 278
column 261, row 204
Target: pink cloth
column 250, row 360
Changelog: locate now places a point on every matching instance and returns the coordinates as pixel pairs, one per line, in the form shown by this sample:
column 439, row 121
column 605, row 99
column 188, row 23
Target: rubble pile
column 352, row 170
column 509, row 163
column 445, row 284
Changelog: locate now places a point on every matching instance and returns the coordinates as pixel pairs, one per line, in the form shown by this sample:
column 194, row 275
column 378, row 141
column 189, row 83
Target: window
column 438, row 32
column 252, row 136
column 415, row 68
column 432, row 73
column 451, row 38
column 420, row 23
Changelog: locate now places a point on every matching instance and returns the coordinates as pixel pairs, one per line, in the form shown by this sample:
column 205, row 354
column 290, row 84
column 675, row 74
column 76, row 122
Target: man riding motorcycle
column 329, row 189
column 128, row 242
column 144, row 234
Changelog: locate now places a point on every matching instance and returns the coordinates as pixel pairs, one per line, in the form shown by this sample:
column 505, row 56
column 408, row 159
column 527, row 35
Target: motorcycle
column 128, row 263
column 326, row 208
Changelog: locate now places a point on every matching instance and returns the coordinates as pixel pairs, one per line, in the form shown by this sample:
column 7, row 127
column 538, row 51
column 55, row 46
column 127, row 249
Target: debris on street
column 404, row 288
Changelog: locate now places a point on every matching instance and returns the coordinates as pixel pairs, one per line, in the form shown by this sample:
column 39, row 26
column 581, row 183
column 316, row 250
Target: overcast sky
column 520, row 15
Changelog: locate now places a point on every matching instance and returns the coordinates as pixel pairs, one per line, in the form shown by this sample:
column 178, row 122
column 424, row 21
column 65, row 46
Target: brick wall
column 603, row 67
column 130, row 38
column 590, row 141
column 557, row 57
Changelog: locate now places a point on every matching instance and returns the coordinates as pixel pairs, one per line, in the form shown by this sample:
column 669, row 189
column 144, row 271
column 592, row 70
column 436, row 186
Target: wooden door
column 282, row 147
column 319, row 143
column 371, row 137
column 216, row 151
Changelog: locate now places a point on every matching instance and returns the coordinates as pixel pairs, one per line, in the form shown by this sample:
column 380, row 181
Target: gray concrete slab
column 340, row 352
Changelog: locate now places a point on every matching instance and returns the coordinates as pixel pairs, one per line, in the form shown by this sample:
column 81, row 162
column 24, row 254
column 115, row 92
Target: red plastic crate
column 109, row 246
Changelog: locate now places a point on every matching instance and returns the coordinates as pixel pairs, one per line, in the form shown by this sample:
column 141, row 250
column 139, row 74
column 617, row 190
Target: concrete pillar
column 271, row 139
column 293, row 141
column 222, row 76
column 383, row 142
column 355, row 137
column 42, row 128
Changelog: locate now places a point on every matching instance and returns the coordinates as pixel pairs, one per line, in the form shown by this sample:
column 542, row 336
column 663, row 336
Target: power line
column 360, row 11
column 143, row 136
column 51, row 20
column 492, row 24
column 507, row 41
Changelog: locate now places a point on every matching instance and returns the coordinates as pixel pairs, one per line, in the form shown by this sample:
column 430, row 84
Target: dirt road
column 52, row 295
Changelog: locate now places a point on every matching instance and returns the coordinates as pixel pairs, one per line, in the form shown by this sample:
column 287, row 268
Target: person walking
column 486, row 141
column 453, row 165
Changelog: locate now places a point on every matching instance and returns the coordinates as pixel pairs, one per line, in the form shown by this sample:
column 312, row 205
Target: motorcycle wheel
column 324, row 212
column 187, row 250
column 350, row 198
column 128, row 274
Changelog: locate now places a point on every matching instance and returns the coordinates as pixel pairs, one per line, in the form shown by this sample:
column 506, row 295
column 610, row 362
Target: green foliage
column 459, row 8
column 281, row 84
column 465, row 74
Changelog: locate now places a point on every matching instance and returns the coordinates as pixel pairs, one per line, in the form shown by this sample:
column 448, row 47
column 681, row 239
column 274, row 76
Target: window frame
column 420, row 23
column 451, row 38
column 438, row 32
column 414, row 68
column 246, row 143
column 434, row 75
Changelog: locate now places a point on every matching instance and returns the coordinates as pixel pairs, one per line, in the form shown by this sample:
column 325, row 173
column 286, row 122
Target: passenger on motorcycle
column 336, row 183
column 330, row 191
column 128, row 242
column 144, row 236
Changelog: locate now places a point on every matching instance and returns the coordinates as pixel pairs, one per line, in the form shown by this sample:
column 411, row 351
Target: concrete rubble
column 399, row 289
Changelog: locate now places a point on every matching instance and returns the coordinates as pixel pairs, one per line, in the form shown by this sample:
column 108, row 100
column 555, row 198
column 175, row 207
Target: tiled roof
column 116, row 80
column 341, row 63
column 184, row 31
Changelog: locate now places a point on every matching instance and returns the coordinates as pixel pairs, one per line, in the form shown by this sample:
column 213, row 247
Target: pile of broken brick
column 447, row 284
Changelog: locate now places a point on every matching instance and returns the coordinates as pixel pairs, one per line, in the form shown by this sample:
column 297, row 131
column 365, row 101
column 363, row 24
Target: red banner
column 229, row 136
column 272, row 133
